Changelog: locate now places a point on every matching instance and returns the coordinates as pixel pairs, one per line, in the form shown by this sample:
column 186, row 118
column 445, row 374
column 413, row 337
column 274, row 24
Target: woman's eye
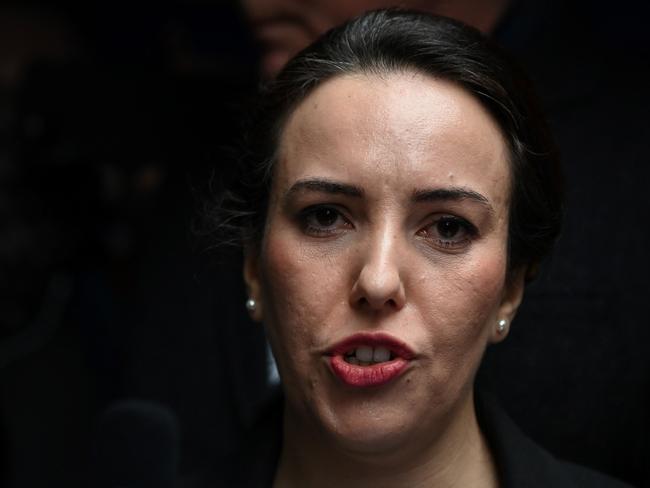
column 323, row 220
column 449, row 232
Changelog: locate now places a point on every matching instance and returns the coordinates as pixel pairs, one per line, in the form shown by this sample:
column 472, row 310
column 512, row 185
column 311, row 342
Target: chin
column 373, row 436
column 370, row 425
column 366, row 436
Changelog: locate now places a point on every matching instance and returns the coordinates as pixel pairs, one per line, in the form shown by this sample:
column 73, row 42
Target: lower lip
column 367, row 376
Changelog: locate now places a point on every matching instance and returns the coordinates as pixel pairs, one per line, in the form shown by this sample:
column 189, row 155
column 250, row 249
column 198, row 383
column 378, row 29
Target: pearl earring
column 251, row 305
column 501, row 327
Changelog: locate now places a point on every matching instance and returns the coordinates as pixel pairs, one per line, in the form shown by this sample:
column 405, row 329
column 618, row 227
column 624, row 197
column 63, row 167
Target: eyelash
column 470, row 232
column 307, row 218
column 307, row 221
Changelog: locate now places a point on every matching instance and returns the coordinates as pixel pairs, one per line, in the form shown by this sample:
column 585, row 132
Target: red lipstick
column 345, row 365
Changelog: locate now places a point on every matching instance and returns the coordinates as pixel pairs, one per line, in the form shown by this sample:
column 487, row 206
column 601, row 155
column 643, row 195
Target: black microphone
column 136, row 445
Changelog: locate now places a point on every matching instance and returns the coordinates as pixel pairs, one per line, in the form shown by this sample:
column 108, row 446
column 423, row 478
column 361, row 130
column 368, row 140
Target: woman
column 398, row 191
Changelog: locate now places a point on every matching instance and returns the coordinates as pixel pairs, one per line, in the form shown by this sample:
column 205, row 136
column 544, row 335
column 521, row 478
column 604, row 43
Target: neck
column 456, row 456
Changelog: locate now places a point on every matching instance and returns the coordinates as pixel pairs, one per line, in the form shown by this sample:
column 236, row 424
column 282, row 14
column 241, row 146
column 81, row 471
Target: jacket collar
column 520, row 462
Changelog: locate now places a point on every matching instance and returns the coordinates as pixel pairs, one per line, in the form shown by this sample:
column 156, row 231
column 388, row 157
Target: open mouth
column 365, row 360
column 368, row 355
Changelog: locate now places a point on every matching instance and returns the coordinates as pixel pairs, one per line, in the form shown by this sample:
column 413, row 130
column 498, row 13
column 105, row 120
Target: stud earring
column 251, row 305
column 501, row 327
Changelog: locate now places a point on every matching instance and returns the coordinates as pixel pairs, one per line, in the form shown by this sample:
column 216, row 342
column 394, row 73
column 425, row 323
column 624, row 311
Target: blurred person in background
column 284, row 27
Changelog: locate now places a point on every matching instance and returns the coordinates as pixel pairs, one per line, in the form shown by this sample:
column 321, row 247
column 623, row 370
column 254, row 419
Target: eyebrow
column 325, row 186
column 453, row 194
column 419, row 196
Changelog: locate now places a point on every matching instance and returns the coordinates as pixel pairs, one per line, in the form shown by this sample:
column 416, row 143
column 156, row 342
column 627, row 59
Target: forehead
column 406, row 128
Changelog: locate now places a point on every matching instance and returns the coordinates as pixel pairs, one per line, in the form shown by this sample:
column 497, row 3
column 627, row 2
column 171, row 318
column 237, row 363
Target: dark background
column 117, row 120
column 114, row 121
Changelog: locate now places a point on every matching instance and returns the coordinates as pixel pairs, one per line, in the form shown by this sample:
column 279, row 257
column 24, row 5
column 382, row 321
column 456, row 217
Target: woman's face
column 381, row 274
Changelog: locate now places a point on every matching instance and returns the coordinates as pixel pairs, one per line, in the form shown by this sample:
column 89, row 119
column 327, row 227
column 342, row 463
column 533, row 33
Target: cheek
column 300, row 290
column 459, row 314
column 284, row 311
column 480, row 290
column 463, row 289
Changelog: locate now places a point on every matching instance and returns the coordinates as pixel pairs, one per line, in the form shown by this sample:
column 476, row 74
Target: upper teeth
column 369, row 354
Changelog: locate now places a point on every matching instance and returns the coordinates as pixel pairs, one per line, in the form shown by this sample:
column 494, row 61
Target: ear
column 252, row 279
column 513, row 292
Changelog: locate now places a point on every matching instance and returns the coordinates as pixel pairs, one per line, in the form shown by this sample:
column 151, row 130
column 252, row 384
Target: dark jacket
column 520, row 462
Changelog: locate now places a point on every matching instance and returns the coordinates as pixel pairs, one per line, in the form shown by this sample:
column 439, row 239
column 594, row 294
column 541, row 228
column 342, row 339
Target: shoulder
column 522, row 463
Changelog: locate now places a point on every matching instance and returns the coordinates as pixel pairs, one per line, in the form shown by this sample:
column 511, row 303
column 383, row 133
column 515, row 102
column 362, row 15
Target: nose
column 379, row 284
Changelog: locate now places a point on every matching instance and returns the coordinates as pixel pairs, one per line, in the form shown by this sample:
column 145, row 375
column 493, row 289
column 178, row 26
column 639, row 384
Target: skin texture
column 383, row 266
column 284, row 27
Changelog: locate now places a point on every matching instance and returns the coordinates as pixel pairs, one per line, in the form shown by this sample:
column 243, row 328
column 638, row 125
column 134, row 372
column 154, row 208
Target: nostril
column 363, row 302
column 392, row 303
